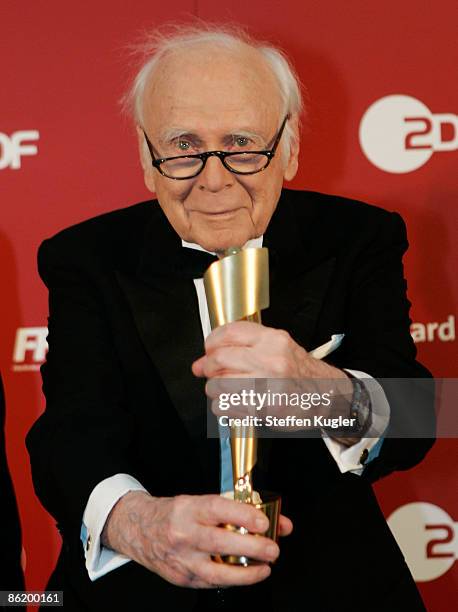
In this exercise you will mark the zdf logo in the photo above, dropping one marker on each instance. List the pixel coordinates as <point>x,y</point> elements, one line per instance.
<point>428,538</point>
<point>16,146</point>
<point>399,133</point>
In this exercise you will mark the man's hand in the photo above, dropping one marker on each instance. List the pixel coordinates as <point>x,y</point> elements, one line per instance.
<point>176,536</point>
<point>245,350</point>
<point>249,350</point>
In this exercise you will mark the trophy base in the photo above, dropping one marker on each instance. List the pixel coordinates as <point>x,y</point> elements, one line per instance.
<point>271,507</point>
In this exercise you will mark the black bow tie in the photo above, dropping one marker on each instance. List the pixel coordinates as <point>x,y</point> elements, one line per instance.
<point>192,263</point>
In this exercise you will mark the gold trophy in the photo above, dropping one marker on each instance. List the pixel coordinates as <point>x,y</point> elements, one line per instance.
<point>237,288</point>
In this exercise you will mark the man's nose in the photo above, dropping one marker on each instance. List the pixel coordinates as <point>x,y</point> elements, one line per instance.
<point>214,177</point>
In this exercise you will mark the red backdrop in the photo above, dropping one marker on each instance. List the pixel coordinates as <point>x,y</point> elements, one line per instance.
<point>66,154</point>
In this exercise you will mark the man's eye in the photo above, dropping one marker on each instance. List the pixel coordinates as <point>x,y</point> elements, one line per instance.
<point>241,141</point>
<point>184,145</point>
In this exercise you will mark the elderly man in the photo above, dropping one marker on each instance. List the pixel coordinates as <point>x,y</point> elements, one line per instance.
<point>121,457</point>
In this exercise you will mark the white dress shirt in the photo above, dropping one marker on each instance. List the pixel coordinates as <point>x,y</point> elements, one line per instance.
<point>101,560</point>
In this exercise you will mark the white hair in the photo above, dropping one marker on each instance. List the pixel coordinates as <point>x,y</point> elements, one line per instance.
<point>177,37</point>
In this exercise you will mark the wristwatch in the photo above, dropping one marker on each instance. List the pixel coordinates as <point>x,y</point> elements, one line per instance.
<point>360,413</point>
<point>360,407</point>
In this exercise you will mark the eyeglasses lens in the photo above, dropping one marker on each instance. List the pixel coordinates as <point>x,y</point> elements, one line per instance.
<point>242,163</point>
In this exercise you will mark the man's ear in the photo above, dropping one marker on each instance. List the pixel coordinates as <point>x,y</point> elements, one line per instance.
<point>145,160</point>
<point>293,158</point>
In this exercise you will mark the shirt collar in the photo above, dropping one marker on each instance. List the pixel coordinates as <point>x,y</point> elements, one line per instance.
<point>253,243</point>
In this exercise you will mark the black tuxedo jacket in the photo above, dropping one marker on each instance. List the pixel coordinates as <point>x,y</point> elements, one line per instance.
<point>11,576</point>
<point>124,329</point>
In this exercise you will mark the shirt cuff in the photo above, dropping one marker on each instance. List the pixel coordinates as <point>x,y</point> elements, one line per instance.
<point>99,559</point>
<point>348,458</point>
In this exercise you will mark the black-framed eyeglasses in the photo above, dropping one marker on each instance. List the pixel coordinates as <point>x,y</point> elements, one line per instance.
<point>184,167</point>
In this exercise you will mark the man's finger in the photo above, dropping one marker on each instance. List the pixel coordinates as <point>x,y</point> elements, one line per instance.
<point>216,510</point>
<point>234,359</point>
<point>217,540</point>
<point>222,574</point>
<point>198,366</point>
<point>244,386</point>
<point>285,525</point>
<point>237,333</point>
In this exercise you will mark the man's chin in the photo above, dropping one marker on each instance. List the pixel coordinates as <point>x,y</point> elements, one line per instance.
<point>217,241</point>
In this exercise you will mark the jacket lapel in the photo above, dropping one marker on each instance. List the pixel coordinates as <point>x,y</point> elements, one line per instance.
<point>295,304</point>
<point>301,267</point>
<point>165,309</point>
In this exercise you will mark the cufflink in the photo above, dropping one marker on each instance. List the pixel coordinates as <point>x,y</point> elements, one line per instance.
<point>364,456</point>
<point>88,543</point>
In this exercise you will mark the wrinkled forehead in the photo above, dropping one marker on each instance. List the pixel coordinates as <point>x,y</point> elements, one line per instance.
<point>210,87</point>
